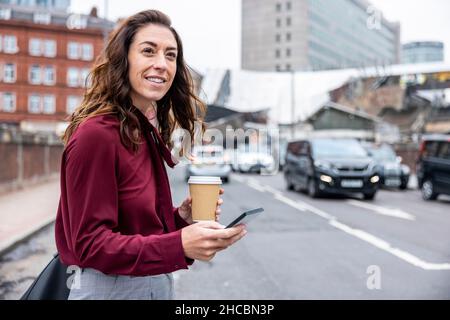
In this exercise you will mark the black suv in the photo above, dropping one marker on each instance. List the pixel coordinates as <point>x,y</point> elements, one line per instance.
<point>433,166</point>
<point>330,166</point>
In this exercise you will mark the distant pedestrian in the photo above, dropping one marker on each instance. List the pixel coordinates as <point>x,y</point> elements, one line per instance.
<point>115,218</point>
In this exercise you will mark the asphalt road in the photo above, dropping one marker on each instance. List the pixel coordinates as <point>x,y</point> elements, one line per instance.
<point>395,247</point>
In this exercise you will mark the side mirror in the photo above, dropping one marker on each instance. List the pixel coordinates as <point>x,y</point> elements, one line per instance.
<point>399,159</point>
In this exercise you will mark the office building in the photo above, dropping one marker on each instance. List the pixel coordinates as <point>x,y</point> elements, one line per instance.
<point>423,51</point>
<point>284,35</point>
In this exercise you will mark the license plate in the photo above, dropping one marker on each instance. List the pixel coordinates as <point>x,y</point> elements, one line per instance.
<point>392,182</point>
<point>351,183</point>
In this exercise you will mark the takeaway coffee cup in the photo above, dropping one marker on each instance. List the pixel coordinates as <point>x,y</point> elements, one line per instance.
<point>204,193</point>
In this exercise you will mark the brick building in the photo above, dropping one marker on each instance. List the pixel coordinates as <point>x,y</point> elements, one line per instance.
<point>45,58</point>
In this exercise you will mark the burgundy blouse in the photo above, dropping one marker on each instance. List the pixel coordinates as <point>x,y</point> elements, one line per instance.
<point>115,213</point>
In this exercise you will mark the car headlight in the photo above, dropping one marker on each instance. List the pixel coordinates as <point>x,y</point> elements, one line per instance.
<point>375,179</point>
<point>326,178</point>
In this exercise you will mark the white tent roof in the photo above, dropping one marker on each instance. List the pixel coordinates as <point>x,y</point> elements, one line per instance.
<point>254,91</point>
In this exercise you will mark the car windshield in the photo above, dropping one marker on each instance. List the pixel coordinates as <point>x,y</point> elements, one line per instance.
<point>336,148</point>
<point>383,153</point>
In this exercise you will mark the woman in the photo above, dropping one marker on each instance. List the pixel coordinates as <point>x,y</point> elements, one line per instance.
<point>115,218</point>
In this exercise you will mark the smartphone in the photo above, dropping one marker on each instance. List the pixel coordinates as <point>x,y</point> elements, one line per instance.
<point>246,217</point>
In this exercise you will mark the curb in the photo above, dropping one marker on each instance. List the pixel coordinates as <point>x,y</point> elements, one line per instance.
<point>10,244</point>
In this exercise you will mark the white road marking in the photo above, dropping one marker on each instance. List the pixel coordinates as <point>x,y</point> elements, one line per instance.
<point>383,245</point>
<point>392,212</point>
<point>273,190</point>
<point>256,186</point>
<point>365,236</point>
<point>289,202</point>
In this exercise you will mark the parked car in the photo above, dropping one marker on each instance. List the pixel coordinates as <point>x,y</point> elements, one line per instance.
<point>392,172</point>
<point>209,161</point>
<point>321,166</point>
<point>433,166</point>
<point>253,158</point>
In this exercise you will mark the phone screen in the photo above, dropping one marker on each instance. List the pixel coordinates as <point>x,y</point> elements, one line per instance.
<point>246,217</point>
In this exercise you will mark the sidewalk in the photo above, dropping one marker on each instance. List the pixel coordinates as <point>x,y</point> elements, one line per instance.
<point>24,212</point>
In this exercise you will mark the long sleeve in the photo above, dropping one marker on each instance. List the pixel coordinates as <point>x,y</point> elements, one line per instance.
<point>181,223</point>
<point>92,204</point>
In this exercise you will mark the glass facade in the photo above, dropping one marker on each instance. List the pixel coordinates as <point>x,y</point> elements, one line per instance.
<point>419,52</point>
<point>340,36</point>
<point>60,5</point>
<point>316,35</point>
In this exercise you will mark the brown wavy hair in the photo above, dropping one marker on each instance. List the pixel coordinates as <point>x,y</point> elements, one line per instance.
<point>109,91</point>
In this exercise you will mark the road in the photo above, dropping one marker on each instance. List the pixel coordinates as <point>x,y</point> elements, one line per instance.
<point>395,247</point>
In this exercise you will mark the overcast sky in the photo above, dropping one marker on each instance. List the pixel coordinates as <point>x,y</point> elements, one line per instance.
<point>210,29</point>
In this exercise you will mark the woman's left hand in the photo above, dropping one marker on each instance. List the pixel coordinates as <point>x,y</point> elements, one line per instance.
<point>185,210</point>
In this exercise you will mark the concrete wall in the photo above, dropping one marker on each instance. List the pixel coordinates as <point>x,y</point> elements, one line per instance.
<point>27,159</point>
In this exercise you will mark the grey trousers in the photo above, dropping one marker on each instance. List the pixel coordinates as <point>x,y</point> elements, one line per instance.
<point>95,285</point>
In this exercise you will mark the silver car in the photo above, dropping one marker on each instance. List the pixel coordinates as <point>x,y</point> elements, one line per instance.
<point>209,161</point>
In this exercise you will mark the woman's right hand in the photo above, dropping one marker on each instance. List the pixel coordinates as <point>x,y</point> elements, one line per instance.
<point>203,239</point>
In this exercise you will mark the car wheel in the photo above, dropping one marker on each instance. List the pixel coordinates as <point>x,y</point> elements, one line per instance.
<point>428,190</point>
<point>403,186</point>
<point>313,192</point>
<point>225,179</point>
<point>369,196</point>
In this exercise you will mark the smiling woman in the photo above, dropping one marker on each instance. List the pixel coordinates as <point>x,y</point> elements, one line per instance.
<point>116,220</point>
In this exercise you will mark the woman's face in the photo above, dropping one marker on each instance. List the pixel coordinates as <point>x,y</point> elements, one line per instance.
<point>152,61</point>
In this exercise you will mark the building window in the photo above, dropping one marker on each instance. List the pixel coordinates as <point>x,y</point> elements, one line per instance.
<point>42,18</point>
<point>87,51</point>
<point>277,67</point>
<point>9,73</point>
<point>8,102</point>
<point>10,44</point>
<point>73,50</point>
<point>288,36</point>
<point>49,104</point>
<point>43,3</point>
<point>277,53</point>
<point>50,48</point>
<point>288,21</point>
<point>288,6</point>
<point>288,52</point>
<point>73,77</point>
<point>277,38</point>
<point>278,7</point>
<point>278,22</point>
<point>49,75</point>
<point>34,47</point>
<point>288,67</point>
<point>34,103</point>
<point>5,13</point>
<point>35,74</point>
<point>72,103</point>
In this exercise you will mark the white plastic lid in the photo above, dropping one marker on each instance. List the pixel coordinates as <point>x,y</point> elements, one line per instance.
<point>204,180</point>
